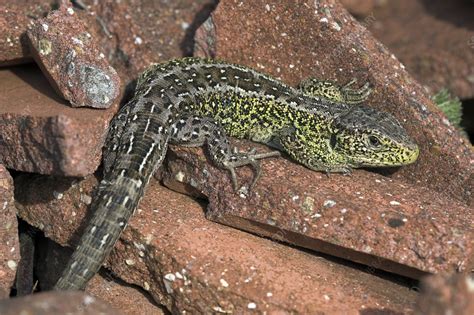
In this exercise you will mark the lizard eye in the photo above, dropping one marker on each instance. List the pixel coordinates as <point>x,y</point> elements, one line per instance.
<point>374,141</point>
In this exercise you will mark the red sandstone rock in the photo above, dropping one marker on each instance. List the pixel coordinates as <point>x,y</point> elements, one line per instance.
<point>192,265</point>
<point>130,38</point>
<point>72,61</point>
<point>320,39</point>
<point>39,134</point>
<point>9,246</point>
<point>446,294</point>
<point>434,40</point>
<point>15,16</point>
<point>57,303</point>
<point>128,299</point>
<point>359,7</point>
<point>365,217</point>
<point>136,34</point>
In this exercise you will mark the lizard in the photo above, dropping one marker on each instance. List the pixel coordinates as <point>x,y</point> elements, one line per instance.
<point>193,102</point>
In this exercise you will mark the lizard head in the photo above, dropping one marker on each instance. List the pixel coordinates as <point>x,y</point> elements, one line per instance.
<point>367,137</point>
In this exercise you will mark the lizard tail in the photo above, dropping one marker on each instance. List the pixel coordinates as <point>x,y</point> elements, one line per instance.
<point>113,205</point>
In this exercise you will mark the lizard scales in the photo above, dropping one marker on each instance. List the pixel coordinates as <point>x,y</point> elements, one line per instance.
<point>195,101</point>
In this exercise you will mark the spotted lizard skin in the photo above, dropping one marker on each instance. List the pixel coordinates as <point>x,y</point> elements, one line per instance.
<point>195,102</point>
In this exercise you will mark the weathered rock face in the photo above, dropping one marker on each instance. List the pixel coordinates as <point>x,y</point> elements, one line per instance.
<point>56,303</point>
<point>132,34</point>
<point>72,61</point>
<point>190,264</point>
<point>126,298</point>
<point>40,134</point>
<point>9,246</point>
<point>15,16</point>
<point>446,294</point>
<point>409,221</point>
<point>434,40</point>
<point>366,217</point>
<point>326,42</point>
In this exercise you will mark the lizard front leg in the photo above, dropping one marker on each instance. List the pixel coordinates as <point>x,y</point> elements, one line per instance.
<point>314,151</point>
<point>197,131</point>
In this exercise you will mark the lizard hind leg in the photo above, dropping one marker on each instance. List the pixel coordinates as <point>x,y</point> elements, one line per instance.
<point>331,91</point>
<point>197,131</point>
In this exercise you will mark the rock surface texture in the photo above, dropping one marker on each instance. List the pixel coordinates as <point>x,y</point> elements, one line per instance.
<point>56,303</point>
<point>9,246</point>
<point>434,40</point>
<point>72,61</point>
<point>40,133</point>
<point>446,294</point>
<point>331,244</point>
<point>190,264</point>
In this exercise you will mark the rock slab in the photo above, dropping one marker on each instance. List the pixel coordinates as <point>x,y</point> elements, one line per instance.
<point>40,134</point>
<point>192,265</point>
<point>72,61</point>
<point>9,244</point>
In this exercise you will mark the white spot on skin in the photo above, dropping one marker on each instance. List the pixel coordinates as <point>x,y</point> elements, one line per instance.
<point>150,150</point>
<point>394,203</point>
<point>45,27</point>
<point>147,124</point>
<point>103,240</point>
<point>131,145</point>
<point>251,306</point>
<point>70,11</point>
<point>125,199</point>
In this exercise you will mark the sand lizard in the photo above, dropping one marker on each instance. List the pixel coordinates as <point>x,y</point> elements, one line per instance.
<point>195,102</point>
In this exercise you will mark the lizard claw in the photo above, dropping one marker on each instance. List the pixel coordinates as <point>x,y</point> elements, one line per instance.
<point>247,158</point>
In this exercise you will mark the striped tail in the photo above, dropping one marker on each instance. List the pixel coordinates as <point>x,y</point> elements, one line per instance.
<point>117,198</point>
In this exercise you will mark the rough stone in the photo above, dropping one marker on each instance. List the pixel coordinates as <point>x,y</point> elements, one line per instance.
<point>359,7</point>
<point>446,294</point>
<point>39,134</point>
<point>128,299</point>
<point>192,265</point>
<point>72,61</point>
<point>433,39</point>
<point>327,42</point>
<point>136,34</point>
<point>9,246</point>
<point>57,303</point>
<point>366,217</point>
<point>15,16</point>
<point>131,40</point>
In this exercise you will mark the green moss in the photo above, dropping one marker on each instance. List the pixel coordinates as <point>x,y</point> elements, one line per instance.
<point>450,105</point>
